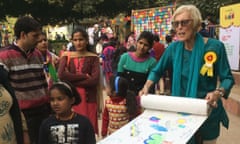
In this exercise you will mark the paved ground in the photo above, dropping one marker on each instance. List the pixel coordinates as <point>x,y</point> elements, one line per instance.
<point>232,135</point>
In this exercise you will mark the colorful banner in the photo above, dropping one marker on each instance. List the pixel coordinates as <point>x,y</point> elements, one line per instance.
<point>230,15</point>
<point>229,33</point>
<point>156,20</point>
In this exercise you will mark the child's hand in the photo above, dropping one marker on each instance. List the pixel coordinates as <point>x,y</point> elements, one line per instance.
<point>143,91</point>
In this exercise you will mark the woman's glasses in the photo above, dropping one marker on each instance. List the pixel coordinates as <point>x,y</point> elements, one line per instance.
<point>183,23</point>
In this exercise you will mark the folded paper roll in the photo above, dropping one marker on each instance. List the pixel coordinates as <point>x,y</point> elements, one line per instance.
<point>175,104</point>
<point>161,121</point>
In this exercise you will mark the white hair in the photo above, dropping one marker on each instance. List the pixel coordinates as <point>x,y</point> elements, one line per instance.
<point>194,13</point>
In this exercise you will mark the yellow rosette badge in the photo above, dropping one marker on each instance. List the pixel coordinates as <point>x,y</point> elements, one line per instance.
<point>210,58</point>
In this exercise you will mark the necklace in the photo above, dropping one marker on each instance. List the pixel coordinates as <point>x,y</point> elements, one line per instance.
<point>67,118</point>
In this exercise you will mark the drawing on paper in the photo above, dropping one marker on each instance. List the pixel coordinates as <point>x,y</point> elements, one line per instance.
<point>158,127</point>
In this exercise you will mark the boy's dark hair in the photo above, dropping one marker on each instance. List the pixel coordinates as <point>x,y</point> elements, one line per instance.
<point>122,90</point>
<point>148,36</point>
<point>26,24</point>
<point>168,38</point>
<point>68,89</point>
<point>112,42</point>
<point>203,25</point>
<point>156,37</point>
<point>104,37</point>
<point>172,32</point>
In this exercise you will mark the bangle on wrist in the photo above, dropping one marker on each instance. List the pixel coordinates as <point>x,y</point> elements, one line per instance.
<point>220,91</point>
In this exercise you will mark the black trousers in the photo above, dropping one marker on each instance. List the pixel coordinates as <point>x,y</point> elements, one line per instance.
<point>34,117</point>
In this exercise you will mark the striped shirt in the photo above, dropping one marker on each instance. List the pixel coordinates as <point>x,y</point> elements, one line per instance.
<point>26,75</point>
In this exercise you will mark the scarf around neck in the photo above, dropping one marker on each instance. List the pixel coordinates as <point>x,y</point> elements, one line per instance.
<point>194,68</point>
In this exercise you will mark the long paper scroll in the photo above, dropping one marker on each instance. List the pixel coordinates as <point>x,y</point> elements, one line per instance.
<point>165,120</point>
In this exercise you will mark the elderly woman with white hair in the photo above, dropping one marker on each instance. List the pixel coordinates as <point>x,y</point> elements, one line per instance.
<point>200,70</point>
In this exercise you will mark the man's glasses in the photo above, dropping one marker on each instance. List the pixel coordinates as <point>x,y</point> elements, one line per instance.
<point>183,23</point>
